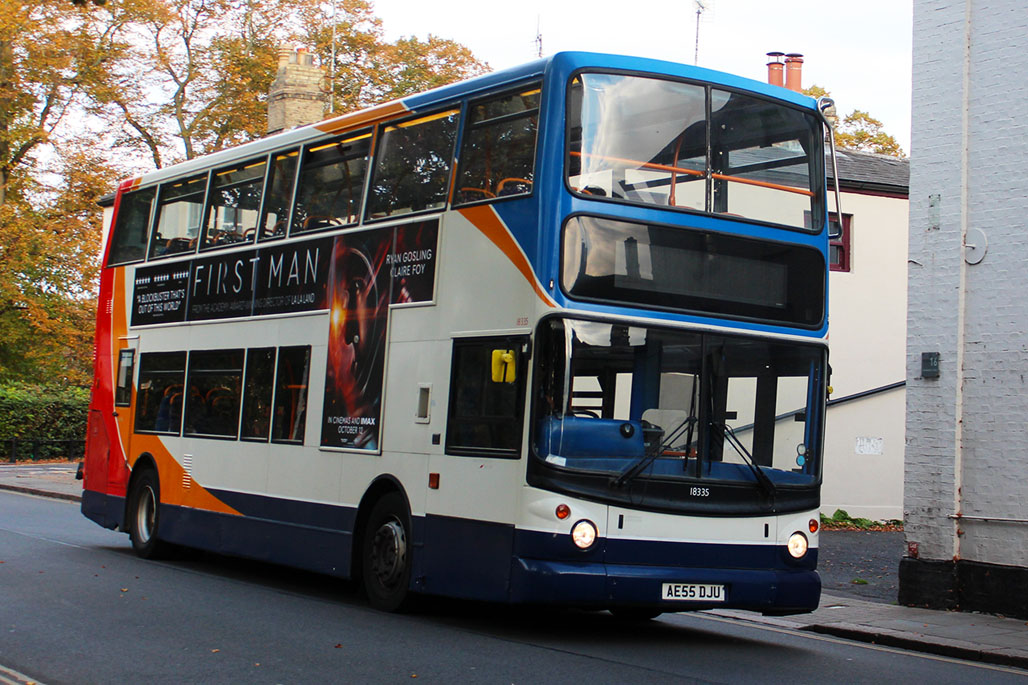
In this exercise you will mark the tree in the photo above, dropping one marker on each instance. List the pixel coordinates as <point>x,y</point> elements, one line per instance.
<point>861,131</point>
<point>48,272</point>
<point>414,66</point>
<point>51,54</point>
<point>196,75</point>
<point>86,83</point>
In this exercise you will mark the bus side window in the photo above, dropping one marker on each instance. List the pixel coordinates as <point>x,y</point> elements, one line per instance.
<point>126,367</point>
<point>179,214</point>
<point>290,410</point>
<point>257,389</point>
<point>497,156</point>
<point>412,166</point>
<point>233,203</point>
<point>485,417</point>
<point>159,395</point>
<point>331,184</point>
<point>131,228</point>
<point>212,402</point>
<point>275,214</point>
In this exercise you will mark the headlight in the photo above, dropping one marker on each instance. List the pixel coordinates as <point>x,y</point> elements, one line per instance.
<point>797,545</point>
<point>583,534</point>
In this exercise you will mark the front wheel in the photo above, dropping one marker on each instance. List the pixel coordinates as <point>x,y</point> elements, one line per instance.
<point>386,554</point>
<point>144,516</point>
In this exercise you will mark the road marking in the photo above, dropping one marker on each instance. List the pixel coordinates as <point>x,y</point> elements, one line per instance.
<point>11,677</point>
<point>44,539</point>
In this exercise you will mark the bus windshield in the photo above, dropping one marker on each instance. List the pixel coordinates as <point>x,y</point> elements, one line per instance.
<point>634,402</point>
<point>649,140</point>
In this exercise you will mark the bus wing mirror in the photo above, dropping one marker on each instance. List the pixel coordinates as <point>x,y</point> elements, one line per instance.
<point>503,368</point>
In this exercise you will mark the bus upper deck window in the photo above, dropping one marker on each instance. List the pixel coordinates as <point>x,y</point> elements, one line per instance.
<point>131,227</point>
<point>412,165</point>
<point>765,160</point>
<point>331,184</point>
<point>498,152</point>
<point>281,176</point>
<point>179,209</point>
<point>232,207</point>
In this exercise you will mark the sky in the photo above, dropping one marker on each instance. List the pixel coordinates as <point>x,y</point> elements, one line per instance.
<point>858,50</point>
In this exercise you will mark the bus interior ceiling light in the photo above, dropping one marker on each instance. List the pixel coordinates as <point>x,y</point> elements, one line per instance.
<point>583,534</point>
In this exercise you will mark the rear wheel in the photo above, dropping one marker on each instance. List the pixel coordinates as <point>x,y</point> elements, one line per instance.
<point>144,516</point>
<point>386,554</point>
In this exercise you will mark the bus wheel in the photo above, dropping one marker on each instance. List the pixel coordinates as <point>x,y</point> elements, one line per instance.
<point>635,614</point>
<point>144,516</point>
<point>386,554</point>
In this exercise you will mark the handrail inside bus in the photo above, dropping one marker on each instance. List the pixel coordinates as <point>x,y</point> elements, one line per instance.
<point>694,172</point>
<point>641,164</point>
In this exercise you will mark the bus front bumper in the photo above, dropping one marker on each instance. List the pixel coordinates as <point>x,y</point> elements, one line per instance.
<point>599,585</point>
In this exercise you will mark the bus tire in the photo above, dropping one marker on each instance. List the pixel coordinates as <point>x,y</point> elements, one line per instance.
<point>386,554</point>
<point>144,516</point>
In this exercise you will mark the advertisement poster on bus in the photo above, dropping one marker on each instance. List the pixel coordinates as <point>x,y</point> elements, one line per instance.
<point>368,272</point>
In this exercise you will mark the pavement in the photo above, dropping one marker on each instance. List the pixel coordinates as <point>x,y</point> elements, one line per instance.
<point>858,602</point>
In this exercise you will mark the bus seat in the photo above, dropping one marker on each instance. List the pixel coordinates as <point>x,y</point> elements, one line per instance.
<point>517,181</point>
<point>581,436</point>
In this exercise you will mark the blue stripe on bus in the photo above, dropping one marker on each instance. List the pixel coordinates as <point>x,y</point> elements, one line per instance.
<point>488,561</point>
<point>583,584</point>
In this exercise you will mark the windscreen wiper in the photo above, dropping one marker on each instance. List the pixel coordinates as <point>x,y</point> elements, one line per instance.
<point>765,483</point>
<point>655,451</point>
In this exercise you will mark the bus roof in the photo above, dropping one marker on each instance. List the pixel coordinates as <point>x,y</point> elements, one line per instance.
<point>561,63</point>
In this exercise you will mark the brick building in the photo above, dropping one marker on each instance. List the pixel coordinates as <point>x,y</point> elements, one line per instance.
<point>966,492</point>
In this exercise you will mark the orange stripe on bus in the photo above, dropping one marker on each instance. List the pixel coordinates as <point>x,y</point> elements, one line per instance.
<point>173,477</point>
<point>485,219</point>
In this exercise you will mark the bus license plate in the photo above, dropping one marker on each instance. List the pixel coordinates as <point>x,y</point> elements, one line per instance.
<point>693,592</point>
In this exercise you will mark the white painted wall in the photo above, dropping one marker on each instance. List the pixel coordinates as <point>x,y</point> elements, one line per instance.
<point>867,335</point>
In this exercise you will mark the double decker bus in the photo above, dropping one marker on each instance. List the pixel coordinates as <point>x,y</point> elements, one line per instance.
<point>555,334</point>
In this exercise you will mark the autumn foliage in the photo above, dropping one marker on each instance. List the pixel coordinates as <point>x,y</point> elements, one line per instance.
<point>95,91</point>
<point>860,131</point>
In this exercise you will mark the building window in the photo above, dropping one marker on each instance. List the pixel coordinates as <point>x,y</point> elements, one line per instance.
<point>839,248</point>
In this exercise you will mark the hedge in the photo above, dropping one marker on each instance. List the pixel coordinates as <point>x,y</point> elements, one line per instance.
<point>36,413</point>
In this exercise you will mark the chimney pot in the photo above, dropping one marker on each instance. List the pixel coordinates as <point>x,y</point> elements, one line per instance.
<point>794,71</point>
<point>775,69</point>
<point>284,54</point>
